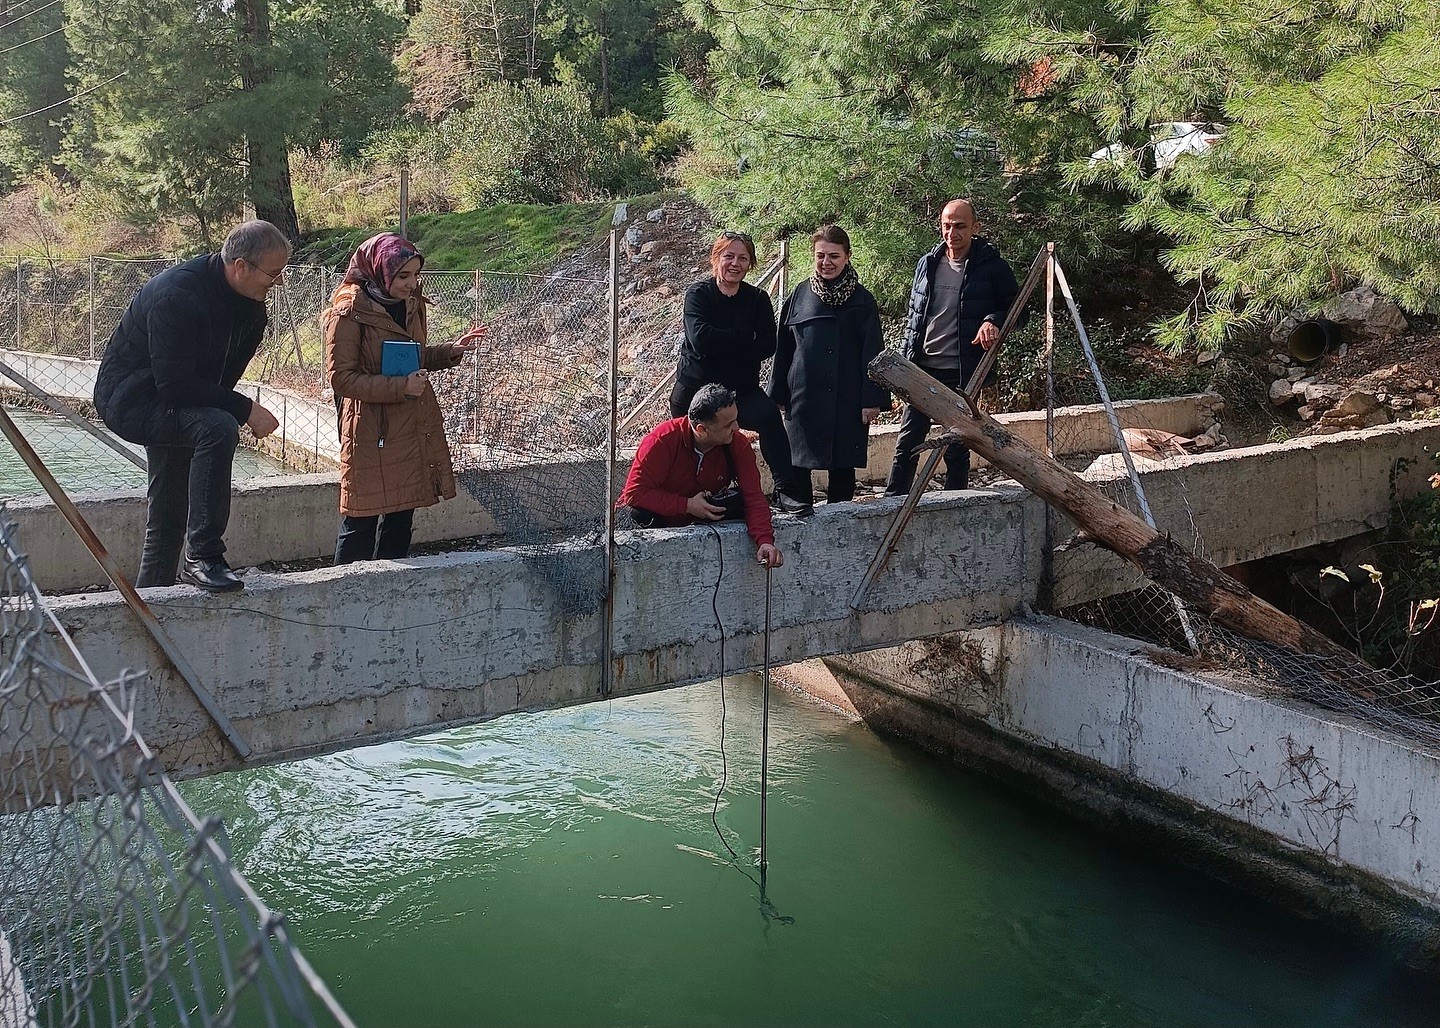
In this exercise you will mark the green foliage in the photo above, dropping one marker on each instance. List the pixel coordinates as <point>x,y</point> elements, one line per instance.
<point>504,238</point>
<point>534,143</point>
<point>1328,173</point>
<point>32,78</point>
<point>526,143</point>
<point>185,101</point>
<point>875,120</point>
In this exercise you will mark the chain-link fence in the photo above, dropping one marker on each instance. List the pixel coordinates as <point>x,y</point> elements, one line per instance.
<point>119,905</point>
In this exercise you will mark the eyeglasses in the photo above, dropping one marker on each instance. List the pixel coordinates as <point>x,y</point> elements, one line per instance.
<point>743,237</point>
<point>271,277</point>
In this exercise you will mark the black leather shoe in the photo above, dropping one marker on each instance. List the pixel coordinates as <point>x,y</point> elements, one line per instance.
<point>787,505</point>
<point>214,576</point>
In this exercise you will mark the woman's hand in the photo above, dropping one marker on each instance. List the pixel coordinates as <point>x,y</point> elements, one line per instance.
<point>869,414</point>
<point>416,381</point>
<point>470,339</point>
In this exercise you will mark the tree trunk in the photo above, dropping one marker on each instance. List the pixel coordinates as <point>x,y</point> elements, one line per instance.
<point>271,192</point>
<point>1197,582</point>
<point>499,19</point>
<point>604,27</point>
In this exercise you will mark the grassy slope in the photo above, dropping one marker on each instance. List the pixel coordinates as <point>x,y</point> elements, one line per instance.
<point>507,238</point>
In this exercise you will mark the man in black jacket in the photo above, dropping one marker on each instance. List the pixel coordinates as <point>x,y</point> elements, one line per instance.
<point>167,381</point>
<point>962,291</point>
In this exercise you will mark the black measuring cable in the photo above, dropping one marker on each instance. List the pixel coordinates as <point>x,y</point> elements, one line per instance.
<point>724,763</point>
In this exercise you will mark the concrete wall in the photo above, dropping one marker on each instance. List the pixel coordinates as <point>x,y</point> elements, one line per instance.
<point>1259,501</point>
<point>1294,801</point>
<point>340,657</point>
<point>1246,503</point>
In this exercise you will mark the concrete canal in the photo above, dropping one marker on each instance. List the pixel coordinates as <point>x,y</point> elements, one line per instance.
<point>562,869</point>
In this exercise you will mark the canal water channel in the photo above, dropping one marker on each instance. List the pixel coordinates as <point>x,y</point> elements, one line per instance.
<point>563,869</point>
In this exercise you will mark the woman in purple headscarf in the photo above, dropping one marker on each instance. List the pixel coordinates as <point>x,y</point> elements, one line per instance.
<point>393,454</point>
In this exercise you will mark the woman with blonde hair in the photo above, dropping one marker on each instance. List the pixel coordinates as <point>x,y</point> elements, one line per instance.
<point>729,333</point>
<point>393,453</point>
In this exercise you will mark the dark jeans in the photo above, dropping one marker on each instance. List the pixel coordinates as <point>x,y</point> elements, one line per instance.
<point>841,485</point>
<point>913,428</point>
<point>758,413</point>
<point>189,494</point>
<point>381,537</point>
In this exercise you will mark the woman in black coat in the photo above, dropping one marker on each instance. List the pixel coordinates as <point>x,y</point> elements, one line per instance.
<point>829,331</point>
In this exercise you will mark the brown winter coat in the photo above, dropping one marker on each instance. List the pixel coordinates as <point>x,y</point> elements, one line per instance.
<point>393,454</point>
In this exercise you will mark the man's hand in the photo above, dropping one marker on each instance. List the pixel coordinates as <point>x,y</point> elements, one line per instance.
<point>415,382</point>
<point>987,335</point>
<point>261,421</point>
<point>700,507</point>
<point>768,555</point>
<point>869,414</point>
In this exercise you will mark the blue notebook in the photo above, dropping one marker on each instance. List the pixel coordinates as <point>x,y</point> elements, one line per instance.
<point>399,357</point>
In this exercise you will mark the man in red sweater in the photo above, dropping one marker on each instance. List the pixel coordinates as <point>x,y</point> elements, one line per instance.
<point>685,463</point>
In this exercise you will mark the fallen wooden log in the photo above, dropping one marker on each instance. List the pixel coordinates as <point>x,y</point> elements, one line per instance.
<point>1197,582</point>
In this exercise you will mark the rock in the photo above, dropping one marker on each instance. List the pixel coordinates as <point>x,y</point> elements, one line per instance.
<point>1281,392</point>
<point>633,235</point>
<point>664,289</point>
<point>1367,313</point>
<point>1358,410</point>
<point>622,215</point>
<point>1280,334</point>
<point>1402,403</point>
<point>658,214</point>
<point>1424,401</point>
<point>1295,374</point>
<point>648,250</point>
<point>1306,412</point>
<point>1357,404</point>
<point>1207,356</point>
<point>1321,396</point>
<point>1342,349</point>
<point>1411,385</point>
<point>1276,369</point>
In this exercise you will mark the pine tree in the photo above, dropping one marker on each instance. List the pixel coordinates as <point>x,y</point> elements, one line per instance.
<point>196,106</point>
<point>32,87</point>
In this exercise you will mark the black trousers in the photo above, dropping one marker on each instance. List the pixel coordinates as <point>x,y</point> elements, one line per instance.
<point>841,485</point>
<point>914,426</point>
<point>758,413</point>
<point>188,488</point>
<point>380,537</point>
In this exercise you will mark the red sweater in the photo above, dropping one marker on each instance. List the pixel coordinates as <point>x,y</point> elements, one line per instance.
<point>667,472</point>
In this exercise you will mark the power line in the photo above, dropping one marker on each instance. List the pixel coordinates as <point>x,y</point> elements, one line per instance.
<point>33,39</point>
<point>68,99</point>
<point>20,17</point>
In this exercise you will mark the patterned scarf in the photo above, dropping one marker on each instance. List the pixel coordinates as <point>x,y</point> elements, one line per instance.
<point>377,261</point>
<point>835,291</point>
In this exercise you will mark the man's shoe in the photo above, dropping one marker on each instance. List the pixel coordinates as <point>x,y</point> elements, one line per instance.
<point>787,505</point>
<point>214,576</point>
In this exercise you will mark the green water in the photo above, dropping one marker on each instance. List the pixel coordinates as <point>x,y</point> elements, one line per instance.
<point>562,869</point>
<point>81,463</point>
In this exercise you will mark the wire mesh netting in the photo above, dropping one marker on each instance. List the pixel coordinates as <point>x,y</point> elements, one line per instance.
<point>118,904</point>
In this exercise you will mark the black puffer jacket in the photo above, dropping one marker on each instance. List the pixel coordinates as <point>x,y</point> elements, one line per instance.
<point>986,295</point>
<point>184,341</point>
